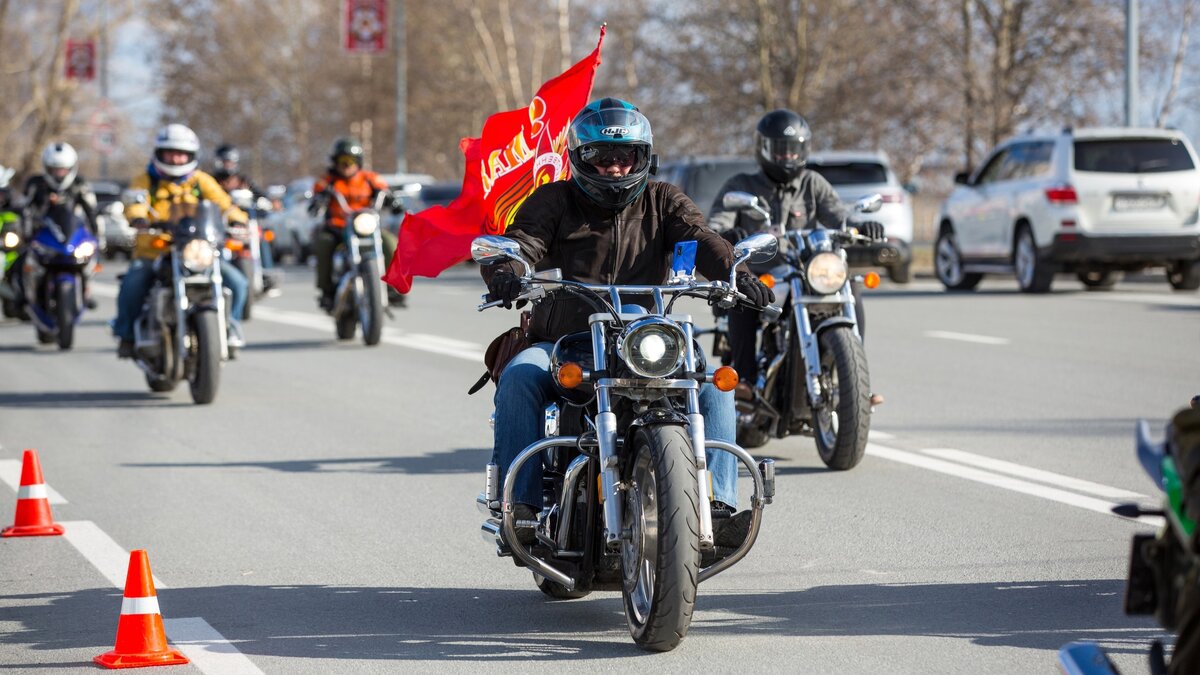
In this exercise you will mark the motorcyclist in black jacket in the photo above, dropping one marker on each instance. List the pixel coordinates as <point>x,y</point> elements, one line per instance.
<point>797,198</point>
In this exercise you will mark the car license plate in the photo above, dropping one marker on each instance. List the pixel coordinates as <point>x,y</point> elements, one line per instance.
<point>1138,202</point>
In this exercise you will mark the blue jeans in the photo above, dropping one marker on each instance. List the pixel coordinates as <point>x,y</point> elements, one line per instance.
<point>140,277</point>
<point>525,389</point>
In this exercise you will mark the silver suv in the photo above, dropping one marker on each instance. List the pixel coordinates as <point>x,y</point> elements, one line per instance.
<point>1090,202</point>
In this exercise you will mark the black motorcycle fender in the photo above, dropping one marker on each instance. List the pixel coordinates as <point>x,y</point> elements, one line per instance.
<point>832,322</point>
<point>654,416</point>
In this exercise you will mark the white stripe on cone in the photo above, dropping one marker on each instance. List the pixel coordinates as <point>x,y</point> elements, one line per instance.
<point>33,491</point>
<point>140,605</point>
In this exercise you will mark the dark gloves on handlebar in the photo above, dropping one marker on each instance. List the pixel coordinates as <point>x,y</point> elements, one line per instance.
<point>734,234</point>
<point>505,287</point>
<point>755,290</point>
<point>871,229</point>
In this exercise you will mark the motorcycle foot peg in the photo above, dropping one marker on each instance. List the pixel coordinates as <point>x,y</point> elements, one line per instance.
<point>767,468</point>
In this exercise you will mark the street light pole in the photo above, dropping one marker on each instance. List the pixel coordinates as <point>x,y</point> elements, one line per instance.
<point>401,43</point>
<point>104,76</point>
<point>1131,63</point>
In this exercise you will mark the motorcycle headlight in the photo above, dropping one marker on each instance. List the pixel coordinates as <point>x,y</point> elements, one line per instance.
<point>11,239</point>
<point>197,255</point>
<point>826,273</point>
<point>365,224</point>
<point>652,347</point>
<point>85,250</point>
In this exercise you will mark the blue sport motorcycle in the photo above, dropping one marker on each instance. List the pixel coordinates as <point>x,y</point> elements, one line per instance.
<point>61,253</point>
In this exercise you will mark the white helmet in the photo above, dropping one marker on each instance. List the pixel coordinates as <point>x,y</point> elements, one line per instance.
<point>176,137</point>
<point>61,163</point>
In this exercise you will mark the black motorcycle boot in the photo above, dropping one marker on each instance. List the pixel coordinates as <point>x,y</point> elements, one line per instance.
<point>326,301</point>
<point>525,533</point>
<point>125,349</point>
<point>729,529</point>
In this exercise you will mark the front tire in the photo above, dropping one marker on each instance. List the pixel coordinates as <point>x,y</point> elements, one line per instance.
<point>660,564</point>
<point>1034,273</point>
<point>65,311</point>
<point>206,375</point>
<point>371,298</point>
<point>841,426</point>
<point>948,264</point>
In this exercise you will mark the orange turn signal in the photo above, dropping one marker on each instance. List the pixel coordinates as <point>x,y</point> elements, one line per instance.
<point>570,375</point>
<point>269,235</point>
<point>767,280</point>
<point>871,280</point>
<point>234,245</point>
<point>725,378</point>
<point>159,243</point>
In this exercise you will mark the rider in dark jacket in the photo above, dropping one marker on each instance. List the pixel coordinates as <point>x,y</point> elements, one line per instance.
<point>797,198</point>
<point>608,225</point>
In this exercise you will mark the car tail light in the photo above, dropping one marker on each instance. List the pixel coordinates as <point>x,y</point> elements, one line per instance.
<point>1061,194</point>
<point>892,197</point>
<point>1068,223</point>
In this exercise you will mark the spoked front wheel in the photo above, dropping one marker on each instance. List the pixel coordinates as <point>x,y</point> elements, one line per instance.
<point>841,425</point>
<point>660,559</point>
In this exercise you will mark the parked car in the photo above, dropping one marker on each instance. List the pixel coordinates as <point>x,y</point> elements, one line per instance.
<point>1091,202</point>
<point>408,186</point>
<point>701,178</point>
<point>115,234</point>
<point>291,223</point>
<point>439,194</point>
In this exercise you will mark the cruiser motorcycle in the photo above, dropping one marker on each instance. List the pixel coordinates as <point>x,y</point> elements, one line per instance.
<point>813,374</point>
<point>244,245</point>
<point>360,296</point>
<point>180,333</point>
<point>627,491</point>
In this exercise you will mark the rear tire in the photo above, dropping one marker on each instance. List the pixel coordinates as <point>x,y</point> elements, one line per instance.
<point>660,573</point>
<point>948,264</point>
<point>1034,272</point>
<point>1184,275</point>
<point>65,311</point>
<point>207,372</point>
<point>1098,280</point>
<point>841,426</point>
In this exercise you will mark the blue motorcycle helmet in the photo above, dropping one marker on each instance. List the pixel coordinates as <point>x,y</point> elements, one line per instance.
<point>605,132</point>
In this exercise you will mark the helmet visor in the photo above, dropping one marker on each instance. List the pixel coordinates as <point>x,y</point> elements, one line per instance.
<point>345,161</point>
<point>175,157</point>
<point>785,151</point>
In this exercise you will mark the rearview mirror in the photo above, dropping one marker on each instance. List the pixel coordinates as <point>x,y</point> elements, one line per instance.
<point>739,200</point>
<point>757,248</point>
<point>869,204</point>
<point>490,249</point>
<point>136,197</point>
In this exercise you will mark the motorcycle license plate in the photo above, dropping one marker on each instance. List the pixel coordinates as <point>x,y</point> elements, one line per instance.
<point>1138,202</point>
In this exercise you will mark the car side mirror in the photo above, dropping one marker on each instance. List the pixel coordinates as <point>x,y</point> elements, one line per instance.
<point>962,178</point>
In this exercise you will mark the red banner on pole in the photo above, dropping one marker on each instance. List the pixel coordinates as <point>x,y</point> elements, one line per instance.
<point>518,151</point>
<point>81,60</point>
<point>364,26</point>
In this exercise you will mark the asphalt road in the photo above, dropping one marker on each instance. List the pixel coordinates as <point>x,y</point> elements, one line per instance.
<point>319,516</point>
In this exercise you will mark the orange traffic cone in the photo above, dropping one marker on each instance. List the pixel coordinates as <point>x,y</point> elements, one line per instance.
<point>141,640</point>
<point>33,508</point>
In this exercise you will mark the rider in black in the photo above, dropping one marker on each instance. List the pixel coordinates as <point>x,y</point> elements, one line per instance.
<point>796,198</point>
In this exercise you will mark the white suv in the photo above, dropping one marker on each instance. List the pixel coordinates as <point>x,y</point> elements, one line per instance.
<point>1088,201</point>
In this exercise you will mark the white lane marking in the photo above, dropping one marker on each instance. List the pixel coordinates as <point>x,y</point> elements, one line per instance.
<point>1005,482</point>
<point>966,337</point>
<point>1022,471</point>
<point>104,290</point>
<point>10,473</point>
<point>199,641</point>
<point>208,650</point>
<point>98,548</point>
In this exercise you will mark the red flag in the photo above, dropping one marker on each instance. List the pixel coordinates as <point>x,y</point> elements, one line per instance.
<point>518,151</point>
<point>364,26</point>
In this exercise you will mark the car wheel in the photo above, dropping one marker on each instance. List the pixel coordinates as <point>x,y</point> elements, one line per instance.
<point>1184,275</point>
<point>1098,280</point>
<point>1034,274</point>
<point>948,264</point>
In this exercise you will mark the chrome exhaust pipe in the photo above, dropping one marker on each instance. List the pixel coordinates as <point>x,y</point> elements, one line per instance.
<point>490,532</point>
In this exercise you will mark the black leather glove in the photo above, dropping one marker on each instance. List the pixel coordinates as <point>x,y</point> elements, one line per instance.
<point>871,230</point>
<point>504,286</point>
<point>734,234</point>
<point>755,290</point>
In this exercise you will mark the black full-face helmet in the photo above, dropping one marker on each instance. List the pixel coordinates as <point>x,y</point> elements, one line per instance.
<point>227,160</point>
<point>347,147</point>
<point>781,144</point>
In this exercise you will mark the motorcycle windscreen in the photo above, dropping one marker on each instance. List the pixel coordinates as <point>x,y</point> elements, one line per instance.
<point>198,221</point>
